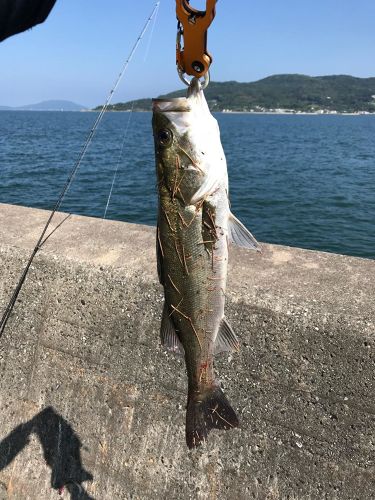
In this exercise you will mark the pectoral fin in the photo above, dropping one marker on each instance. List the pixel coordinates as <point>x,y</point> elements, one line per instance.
<point>226,339</point>
<point>239,235</point>
<point>168,335</point>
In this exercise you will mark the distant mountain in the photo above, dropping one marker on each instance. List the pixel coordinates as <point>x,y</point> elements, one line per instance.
<point>53,105</point>
<point>299,93</point>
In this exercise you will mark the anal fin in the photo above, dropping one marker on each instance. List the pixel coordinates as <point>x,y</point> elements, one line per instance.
<point>168,335</point>
<point>239,235</point>
<point>226,339</point>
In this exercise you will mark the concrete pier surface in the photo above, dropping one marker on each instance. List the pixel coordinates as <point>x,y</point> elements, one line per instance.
<point>92,406</point>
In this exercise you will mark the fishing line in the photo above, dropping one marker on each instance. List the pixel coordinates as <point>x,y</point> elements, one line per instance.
<point>118,160</point>
<point>73,173</point>
<point>55,229</point>
<point>129,120</point>
<point>151,36</point>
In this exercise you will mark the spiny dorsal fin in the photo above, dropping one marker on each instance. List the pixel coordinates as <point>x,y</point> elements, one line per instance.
<point>168,335</point>
<point>226,339</point>
<point>239,235</point>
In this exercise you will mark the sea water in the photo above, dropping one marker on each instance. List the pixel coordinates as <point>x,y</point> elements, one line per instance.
<point>301,180</point>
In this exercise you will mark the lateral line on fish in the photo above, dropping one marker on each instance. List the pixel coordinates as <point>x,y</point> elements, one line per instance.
<point>174,286</point>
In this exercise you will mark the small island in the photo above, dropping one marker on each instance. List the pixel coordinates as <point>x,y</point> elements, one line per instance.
<point>281,94</point>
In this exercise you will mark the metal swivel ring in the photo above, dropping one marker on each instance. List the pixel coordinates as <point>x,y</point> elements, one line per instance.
<point>187,82</point>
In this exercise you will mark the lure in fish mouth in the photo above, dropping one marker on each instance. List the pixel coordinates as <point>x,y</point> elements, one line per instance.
<point>195,225</point>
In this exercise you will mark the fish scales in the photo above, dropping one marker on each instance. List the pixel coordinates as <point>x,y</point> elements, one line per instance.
<point>194,281</point>
<point>194,227</point>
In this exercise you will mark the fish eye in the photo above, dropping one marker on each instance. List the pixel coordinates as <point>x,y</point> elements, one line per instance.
<point>165,137</point>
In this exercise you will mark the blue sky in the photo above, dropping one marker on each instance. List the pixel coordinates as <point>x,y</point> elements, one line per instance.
<point>78,52</point>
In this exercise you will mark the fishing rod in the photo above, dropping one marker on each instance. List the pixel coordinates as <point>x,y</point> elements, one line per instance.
<point>43,238</point>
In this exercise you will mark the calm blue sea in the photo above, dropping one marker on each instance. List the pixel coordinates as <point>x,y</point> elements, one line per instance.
<point>305,181</point>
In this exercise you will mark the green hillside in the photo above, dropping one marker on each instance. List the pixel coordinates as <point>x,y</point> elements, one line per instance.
<point>339,93</point>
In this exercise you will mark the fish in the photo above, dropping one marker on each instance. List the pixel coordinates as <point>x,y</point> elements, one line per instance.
<point>194,229</point>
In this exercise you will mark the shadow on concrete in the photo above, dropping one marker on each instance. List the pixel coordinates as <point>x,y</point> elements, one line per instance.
<point>61,448</point>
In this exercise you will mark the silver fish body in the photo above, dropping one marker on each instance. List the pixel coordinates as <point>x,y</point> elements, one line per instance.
<point>194,227</point>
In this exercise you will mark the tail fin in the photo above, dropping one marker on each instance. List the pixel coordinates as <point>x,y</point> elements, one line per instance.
<point>206,411</point>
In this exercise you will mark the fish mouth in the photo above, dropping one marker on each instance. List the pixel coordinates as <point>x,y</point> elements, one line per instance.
<point>171,105</point>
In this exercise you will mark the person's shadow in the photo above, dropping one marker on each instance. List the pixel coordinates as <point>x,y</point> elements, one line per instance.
<point>61,448</point>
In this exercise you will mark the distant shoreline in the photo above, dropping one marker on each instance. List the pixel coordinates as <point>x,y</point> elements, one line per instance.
<point>293,113</point>
<point>282,113</point>
<point>281,94</point>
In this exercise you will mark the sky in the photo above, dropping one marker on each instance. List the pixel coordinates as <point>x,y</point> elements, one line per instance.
<point>79,51</point>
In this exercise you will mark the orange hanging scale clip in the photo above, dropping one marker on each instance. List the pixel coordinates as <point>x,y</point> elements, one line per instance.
<point>193,58</point>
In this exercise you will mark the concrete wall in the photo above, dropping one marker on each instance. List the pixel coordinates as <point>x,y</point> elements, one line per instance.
<point>89,399</point>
